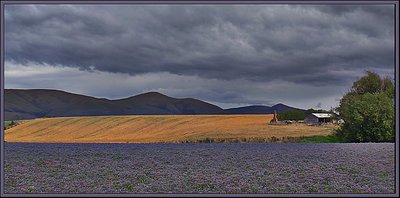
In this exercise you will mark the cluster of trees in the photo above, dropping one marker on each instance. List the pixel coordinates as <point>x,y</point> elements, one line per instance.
<point>299,114</point>
<point>368,110</point>
<point>9,124</point>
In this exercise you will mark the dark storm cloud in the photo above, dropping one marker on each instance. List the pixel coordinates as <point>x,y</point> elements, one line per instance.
<point>302,44</point>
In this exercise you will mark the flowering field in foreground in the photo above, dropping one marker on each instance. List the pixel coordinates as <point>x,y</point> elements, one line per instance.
<point>199,168</point>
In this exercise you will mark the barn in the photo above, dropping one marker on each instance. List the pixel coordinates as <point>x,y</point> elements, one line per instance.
<point>316,118</point>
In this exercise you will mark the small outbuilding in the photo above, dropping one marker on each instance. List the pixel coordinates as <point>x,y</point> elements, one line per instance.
<point>340,122</point>
<point>318,118</point>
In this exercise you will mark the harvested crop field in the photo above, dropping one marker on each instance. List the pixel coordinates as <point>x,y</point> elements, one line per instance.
<point>156,128</point>
<point>199,168</point>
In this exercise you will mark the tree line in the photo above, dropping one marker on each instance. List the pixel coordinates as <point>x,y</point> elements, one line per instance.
<point>299,114</point>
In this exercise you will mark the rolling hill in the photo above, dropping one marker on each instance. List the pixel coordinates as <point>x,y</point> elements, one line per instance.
<point>260,109</point>
<point>39,103</point>
<point>155,128</point>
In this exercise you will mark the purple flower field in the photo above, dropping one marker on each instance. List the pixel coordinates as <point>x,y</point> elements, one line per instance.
<point>199,168</point>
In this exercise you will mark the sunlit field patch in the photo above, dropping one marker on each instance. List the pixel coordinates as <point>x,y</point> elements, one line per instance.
<point>160,129</point>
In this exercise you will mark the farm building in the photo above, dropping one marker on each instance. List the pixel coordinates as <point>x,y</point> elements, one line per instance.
<point>341,121</point>
<point>316,118</point>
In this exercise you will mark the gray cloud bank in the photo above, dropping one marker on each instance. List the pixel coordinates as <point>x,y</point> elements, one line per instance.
<point>309,45</point>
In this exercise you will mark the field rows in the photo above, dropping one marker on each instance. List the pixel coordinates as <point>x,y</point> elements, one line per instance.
<point>157,128</point>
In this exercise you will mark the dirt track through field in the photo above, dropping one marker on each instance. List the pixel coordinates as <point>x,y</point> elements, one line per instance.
<point>154,128</point>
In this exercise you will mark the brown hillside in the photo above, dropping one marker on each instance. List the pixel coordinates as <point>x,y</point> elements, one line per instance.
<point>154,128</point>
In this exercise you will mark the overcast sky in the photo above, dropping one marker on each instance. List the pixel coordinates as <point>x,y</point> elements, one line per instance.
<point>304,56</point>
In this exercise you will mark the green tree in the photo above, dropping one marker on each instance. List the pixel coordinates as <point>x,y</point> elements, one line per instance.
<point>292,115</point>
<point>368,110</point>
<point>370,83</point>
<point>388,87</point>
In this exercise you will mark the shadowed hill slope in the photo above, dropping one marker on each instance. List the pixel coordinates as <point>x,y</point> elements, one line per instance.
<point>38,103</point>
<point>260,109</point>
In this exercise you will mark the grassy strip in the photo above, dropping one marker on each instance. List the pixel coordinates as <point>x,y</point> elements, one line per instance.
<point>10,124</point>
<point>321,139</point>
<point>303,139</point>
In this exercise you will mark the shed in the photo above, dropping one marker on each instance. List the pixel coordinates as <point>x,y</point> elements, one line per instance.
<point>316,118</point>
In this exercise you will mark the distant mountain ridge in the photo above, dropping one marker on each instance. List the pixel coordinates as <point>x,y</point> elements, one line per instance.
<point>23,104</point>
<point>260,109</point>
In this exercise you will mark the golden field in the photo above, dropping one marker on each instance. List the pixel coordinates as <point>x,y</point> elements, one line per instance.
<point>155,128</point>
